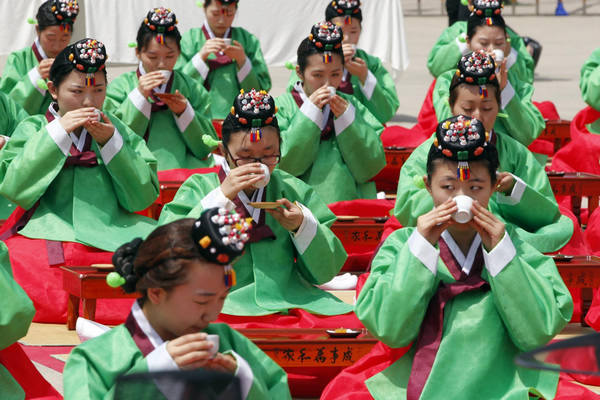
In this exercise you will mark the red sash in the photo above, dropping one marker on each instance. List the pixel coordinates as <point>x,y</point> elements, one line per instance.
<point>221,59</point>
<point>36,52</point>
<point>137,334</point>
<point>346,85</point>
<point>327,132</point>
<point>430,336</point>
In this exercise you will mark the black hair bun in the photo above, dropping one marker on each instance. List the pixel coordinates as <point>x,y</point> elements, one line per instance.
<point>87,55</point>
<point>229,1</point>
<point>477,68</point>
<point>161,20</point>
<point>123,260</point>
<point>461,138</point>
<point>254,108</point>
<point>65,11</point>
<point>344,8</point>
<point>326,36</point>
<point>487,8</point>
<point>220,235</point>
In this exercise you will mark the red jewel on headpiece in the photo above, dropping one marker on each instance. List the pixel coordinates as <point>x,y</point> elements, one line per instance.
<point>447,153</point>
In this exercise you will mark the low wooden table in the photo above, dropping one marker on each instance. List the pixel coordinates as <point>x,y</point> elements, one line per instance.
<point>387,179</point>
<point>577,185</point>
<point>361,232</point>
<point>557,131</point>
<point>87,284</point>
<point>581,272</point>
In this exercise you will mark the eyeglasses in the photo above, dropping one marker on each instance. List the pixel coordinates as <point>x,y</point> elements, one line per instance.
<point>267,160</point>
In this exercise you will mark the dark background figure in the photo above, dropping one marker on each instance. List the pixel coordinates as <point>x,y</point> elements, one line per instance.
<point>457,11</point>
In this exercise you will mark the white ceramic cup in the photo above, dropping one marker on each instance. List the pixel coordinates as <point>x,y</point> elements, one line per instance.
<point>98,115</point>
<point>332,91</point>
<point>227,41</point>
<point>498,56</point>
<point>262,183</point>
<point>464,203</point>
<point>165,73</point>
<point>214,339</point>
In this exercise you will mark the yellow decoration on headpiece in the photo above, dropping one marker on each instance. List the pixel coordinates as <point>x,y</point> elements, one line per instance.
<point>232,110</point>
<point>204,242</point>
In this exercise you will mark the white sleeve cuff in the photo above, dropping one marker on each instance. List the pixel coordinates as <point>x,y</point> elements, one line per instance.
<point>461,42</point>
<point>245,70</point>
<point>307,230</point>
<point>424,251</point>
<point>500,256</point>
<point>507,94</point>
<point>201,66</point>
<point>34,77</point>
<point>60,136</point>
<point>112,147</point>
<point>140,102</point>
<point>369,86</point>
<point>186,117</point>
<point>216,198</point>
<point>159,359</point>
<point>512,58</point>
<point>344,120</point>
<point>515,195</point>
<point>244,374</point>
<point>312,112</point>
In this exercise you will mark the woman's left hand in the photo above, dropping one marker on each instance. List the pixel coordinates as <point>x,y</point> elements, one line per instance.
<point>222,363</point>
<point>290,217</point>
<point>176,103</point>
<point>338,105</point>
<point>100,131</point>
<point>505,183</point>
<point>358,67</point>
<point>503,75</point>
<point>235,51</point>
<point>490,229</point>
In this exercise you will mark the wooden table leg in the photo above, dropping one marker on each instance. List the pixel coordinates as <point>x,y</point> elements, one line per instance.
<point>72,311</point>
<point>576,205</point>
<point>89,309</point>
<point>586,301</point>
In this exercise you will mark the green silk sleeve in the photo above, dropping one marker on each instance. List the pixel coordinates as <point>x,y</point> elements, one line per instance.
<point>446,53</point>
<point>186,203</point>
<point>118,102</point>
<point>589,82</point>
<point>16,83</point>
<point>258,78</point>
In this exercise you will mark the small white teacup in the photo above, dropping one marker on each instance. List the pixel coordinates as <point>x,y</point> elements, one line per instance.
<point>165,73</point>
<point>98,115</point>
<point>332,91</point>
<point>227,41</point>
<point>214,339</point>
<point>464,203</point>
<point>262,183</point>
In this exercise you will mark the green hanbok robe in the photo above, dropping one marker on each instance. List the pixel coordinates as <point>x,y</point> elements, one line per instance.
<point>93,206</point>
<point>274,274</point>
<point>175,141</point>
<point>94,366</point>
<point>452,45</point>
<point>589,84</point>
<point>224,82</point>
<point>22,81</point>
<point>531,206</point>
<point>336,156</point>
<point>523,120</point>
<point>15,318</point>
<point>525,305</point>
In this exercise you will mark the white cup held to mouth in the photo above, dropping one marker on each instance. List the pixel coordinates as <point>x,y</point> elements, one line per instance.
<point>165,73</point>
<point>332,91</point>
<point>263,182</point>
<point>214,339</point>
<point>98,115</point>
<point>463,215</point>
<point>227,41</point>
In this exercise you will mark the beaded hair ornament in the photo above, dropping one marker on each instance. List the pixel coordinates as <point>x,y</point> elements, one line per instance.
<point>487,8</point>
<point>326,36</point>
<point>256,109</point>
<point>221,235</point>
<point>477,68</point>
<point>65,11</point>
<point>461,139</point>
<point>347,9</point>
<point>161,20</point>
<point>88,56</point>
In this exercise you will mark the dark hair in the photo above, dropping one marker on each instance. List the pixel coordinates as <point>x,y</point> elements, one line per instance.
<point>453,95</point>
<point>307,49</point>
<point>160,261</point>
<point>489,156</point>
<point>331,13</point>
<point>145,35</point>
<point>475,21</point>
<point>62,67</point>
<point>208,2</point>
<point>232,125</point>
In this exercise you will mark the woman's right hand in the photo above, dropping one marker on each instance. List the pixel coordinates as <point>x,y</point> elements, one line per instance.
<point>190,351</point>
<point>44,67</point>
<point>77,118</point>
<point>241,178</point>
<point>436,221</point>
<point>149,81</point>
<point>321,96</point>
<point>211,46</point>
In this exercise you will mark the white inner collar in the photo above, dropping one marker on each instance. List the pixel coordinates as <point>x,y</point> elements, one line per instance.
<point>256,196</point>
<point>145,326</point>
<point>466,263</point>
<point>326,110</point>
<point>39,48</point>
<point>79,142</point>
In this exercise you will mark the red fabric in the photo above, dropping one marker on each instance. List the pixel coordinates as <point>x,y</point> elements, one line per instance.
<point>592,232</point>
<point>542,146</point>
<point>421,131</point>
<point>44,284</point>
<point>218,125</point>
<point>295,319</point>
<point>548,109</point>
<point>181,174</point>
<point>581,119</point>
<point>14,359</point>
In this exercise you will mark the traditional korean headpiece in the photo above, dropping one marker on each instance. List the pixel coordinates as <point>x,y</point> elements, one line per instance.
<point>65,12</point>
<point>344,8</point>
<point>461,139</point>
<point>161,20</point>
<point>221,235</point>
<point>88,56</point>
<point>477,68</point>
<point>254,109</point>
<point>326,37</point>
<point>487,8</point>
